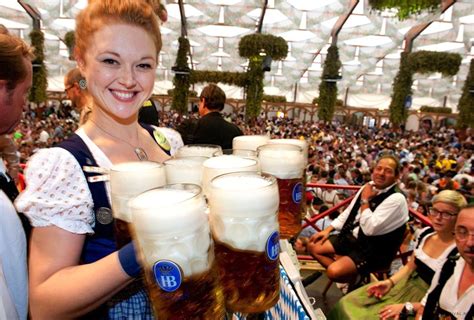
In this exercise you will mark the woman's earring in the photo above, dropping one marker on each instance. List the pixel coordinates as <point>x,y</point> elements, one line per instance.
<point>83,84</point>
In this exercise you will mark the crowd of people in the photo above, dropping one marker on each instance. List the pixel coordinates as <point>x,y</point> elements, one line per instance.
<point>77,270</point>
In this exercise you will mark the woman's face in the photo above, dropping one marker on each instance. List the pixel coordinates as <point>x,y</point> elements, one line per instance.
<point>119,66</point>
<point>440,223</point>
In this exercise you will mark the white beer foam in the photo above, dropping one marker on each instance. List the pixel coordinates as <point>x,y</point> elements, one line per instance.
<point>129,179</point>
<point>216,166</point>
<point>297,142</point>
<point>172,225</point>
<point>249,142</point>
<point>243,210</point>
<point>184,170</point>
<point>284,163</point>
<point>197,150</point>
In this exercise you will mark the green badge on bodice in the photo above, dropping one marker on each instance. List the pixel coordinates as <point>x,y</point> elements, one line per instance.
<point>161,140</point>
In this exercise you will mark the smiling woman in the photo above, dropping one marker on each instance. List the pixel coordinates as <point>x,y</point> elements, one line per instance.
<point>76,269</point>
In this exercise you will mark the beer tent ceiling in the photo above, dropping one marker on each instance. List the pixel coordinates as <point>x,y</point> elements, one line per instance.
<point>369,44</point>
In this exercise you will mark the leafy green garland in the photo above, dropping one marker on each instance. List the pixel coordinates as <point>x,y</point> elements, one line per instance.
<point>328,90</point>
<point>466,102</point>
<point>339,102</point>
<point>70,42</point>
<point>40,74</point>
<point>253,44</point>
<point>250,46</point>
<point>436,109</point>
<point>422,62</point>
<point>254,88</point>
<point>271,98</point>
<point>405,8</point>
<point>231,78</point>
<point>181,81</point>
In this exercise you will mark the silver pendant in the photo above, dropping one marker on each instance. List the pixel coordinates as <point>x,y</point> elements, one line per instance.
<point>104,215</point>
<point>141,154</point>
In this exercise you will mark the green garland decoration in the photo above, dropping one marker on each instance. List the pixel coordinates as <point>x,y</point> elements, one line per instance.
<point>254,88</point>
<point>328,90</point>
<point>40,74</point>
<point>250,47</point>
<point>253,44</point>
<point>406,8</point>
<point>339,102</point>
<point>423,62</point>
<point>181,81</point>
<point>70,42</point>
<point>230,78</point>
<point>466,102</point>
<point>274,99</point>
<point>435,109</point>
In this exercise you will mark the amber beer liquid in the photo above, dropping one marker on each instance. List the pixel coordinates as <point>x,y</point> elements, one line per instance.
<point>304,145</point>
<point>243,217</point>
<point>173,236</point>
<point>128,180</point>
<point>286,162</point>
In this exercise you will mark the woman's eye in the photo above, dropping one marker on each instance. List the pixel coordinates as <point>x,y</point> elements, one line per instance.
<point>144,66</point>
<point>109,61</point>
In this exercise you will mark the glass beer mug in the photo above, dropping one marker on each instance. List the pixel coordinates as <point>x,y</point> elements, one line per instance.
<point>286,162</point>
<point>244,224</point>
<point>127,180</point>
<point>175,245</point>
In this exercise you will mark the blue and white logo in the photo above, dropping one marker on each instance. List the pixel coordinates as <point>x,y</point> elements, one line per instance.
<point>273,246</point>
<point>297,193</point>
<point>168,275</point>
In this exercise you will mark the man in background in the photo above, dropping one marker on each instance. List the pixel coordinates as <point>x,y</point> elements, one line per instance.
<point>212,128</point>
<point>15,82</point>
<point>78,94</point>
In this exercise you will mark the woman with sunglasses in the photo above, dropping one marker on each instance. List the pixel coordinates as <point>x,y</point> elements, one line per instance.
<point>405,289</point>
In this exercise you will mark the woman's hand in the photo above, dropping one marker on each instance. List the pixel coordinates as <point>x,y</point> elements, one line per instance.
<point>379,289</point>
<point>391,311</point>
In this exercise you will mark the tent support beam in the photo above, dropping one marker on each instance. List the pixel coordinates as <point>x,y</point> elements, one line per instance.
<point>33,13</point>
<point>262,16</point>
<point>415,31</point>
<point>341,21</point>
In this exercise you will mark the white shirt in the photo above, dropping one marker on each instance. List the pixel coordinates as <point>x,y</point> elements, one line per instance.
<point>14,275</point>
<point>449,300</point>
<point>71,208</point>
<point>388,216</point>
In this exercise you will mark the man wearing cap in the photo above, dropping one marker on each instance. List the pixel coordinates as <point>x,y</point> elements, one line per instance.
<point>212,128</point>
<point>15,82</point>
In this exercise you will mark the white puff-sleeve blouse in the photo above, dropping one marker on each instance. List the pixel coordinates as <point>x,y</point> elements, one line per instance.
<point>57,192</point>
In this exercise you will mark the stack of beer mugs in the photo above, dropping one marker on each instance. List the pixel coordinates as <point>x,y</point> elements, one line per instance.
<point>200,265</point>
<point>243,218</point>
<point>172,232</point>
<point>128,180</point>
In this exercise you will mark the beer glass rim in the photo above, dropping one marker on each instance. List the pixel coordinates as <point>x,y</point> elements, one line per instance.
<point>172,159</point>
<point>280,146</point>
<point>255,162</point>
<point>202,145</point>
<point>153,165</point>
<point>282,141</point>
<point>248,136</point>
<point>235,149</point>
<point>172,186</point>
<point>268,177</point>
